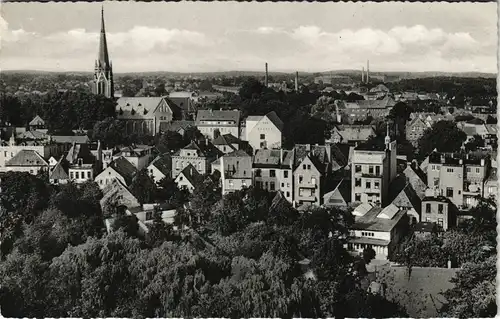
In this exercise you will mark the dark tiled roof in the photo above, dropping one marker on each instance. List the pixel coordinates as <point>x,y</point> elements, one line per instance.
<point>37,120</point>
<point>163,163</point>
<point>176,126</point>
<point>27,158</point>
<point>371,221</point>
<point>204,149</point>
<point>70,139</point>
<point>237,153</point>
<point>214,115</point>
<point>226,139</point>
<point>59,171</point>
<point>273,117</point>
<point>80,151</point>
<point>191,174</point>
<point>123,167</point>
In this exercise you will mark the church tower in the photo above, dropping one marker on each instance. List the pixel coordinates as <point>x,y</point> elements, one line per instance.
<point>103,72</point>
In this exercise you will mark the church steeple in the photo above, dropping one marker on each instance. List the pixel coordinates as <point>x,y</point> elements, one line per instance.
<point>103,57</point>
<point>103,75</point>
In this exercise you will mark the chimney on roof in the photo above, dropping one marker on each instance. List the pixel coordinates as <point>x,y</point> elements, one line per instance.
<point>266,82</point>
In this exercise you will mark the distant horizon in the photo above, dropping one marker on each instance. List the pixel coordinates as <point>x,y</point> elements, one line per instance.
<point>199,37</point>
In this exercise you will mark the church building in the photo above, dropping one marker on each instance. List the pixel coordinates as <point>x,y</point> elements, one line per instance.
<point>103,72</point>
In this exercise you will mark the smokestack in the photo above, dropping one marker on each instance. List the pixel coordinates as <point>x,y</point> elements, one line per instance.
<point>296,81</point>
<point>267,78</point>
<point>362,74</point>
<point>367,71</point>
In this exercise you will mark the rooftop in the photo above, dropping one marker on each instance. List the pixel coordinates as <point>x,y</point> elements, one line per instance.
<point>27,158</point>
<point>217,115</point>
<point>378,219</point>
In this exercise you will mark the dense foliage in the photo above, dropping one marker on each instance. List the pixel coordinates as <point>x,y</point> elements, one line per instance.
<point>444,136</point>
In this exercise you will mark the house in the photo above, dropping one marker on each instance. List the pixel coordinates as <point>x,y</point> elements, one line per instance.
<point>273,171</point>
<point>228,143</point>
<point>459,177</point>
<point>416,178</point>
<point>144,115</point>
<point>378,228</point>
<point>439,210</point>
<point>313,165</point>
<point>210,121</point>
<point>160,168</point>
<point>82,164</point>
<point>374,167</point>
<point>69,140</point>
<point>200,154</point>
<point>360,110</point>
<point>408,200</point>
<point>415,130</point>
<point>27,161</point>
<point>120,169</point>
<point>187,104</point>
<point>36,123</point>
<point>188,178</point>
<point>350,134</point>
<point>236,171</point>
<point>58,174</point>
<point>340,196</point>
<point>491,185</point>
<point>379,91</point>
<point>264,131</point>
<point>32,136</point>
<point>137,155</point>
<point>10,149</point>
<point>117,194</point>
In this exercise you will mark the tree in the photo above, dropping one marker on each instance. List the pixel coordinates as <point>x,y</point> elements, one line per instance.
<point>324,109</point>
<point>474,291</point>
<point>476,142</point>
<point>251,88</point>
<point>444,136</point>
<point>110,131</point>
<point>143,187</point>
<point>491,120</point>
<point>170,142</point>
<point>368,254</point>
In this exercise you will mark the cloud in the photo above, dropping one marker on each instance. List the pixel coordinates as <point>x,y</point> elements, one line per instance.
<point>307,47</point>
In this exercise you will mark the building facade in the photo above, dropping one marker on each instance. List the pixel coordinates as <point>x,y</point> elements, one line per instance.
<point>199,154</point>
<point>264,131</point>
<point>236,171</point>
<point>212,123</point>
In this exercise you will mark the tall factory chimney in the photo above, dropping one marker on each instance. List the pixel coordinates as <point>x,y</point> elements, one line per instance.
<point>363,75</point>
<point>367,71</point>
<point>296,81</point>
<point>267,77</point>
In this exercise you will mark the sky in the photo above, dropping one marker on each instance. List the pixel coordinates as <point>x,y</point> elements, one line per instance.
<point>225,36</point>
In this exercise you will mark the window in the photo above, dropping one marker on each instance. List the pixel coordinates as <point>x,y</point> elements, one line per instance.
<point>287,194</point>
<point>180,178</point>
<point>376,185</point>
<point>282,185</point>
<point>285,174</point>
<point>308,166</point>
<point>301,178</point>
<point>477,170</point>
<point>88,175</point>
<point>449,170</point>
<point>272,173</point>
<point>31,171</point>
<point>357,182</point>
<point>368,184</point>
<point>77,175</point>
<point>449,191</point>
<point>272,188</point>
<point>357,168</point>
<point>258,184</point>
<point>469,169</point>
<point>313,180</point>
<point>258,173</point>
<point>287,184</point>
<point>244,183</point>
<point>303,166</point>
<point>440,208</point>
<point>262,136</point>
<point>357,197</point>
<point>428,208</point>
<point>370,169</point>
<point>5,153</point>
<point>377,170</point>
<point>433,167</point>
<point>231,184</point>
<point>178,165</point>
<point>440,222</point>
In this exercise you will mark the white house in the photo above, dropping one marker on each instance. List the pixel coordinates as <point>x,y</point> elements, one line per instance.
<point>264,131</point>
<point>187,178</point>
<point>160,168</point>
<point>120,169</point>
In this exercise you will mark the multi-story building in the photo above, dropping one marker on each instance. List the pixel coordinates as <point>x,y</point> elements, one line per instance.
<point>27,161</point>
<point>236,171</point>
<point>213,122</point>
<point>82,164</point>
<point>415,130</point>
<point>228,143</point>
<point>188,178</point>
<point>313,167</point>
<point>200,154</point>
<point>439,210</point>
<point>264,131</point>
<point>145,115</point>
<point>137,155</point>
<point>10,149</point>
<point>360,110</point>
<point>351,134</point>
<point>377,228</point>
<point>120,169</point>
<point>458,177</point>
<point>273,171</point>
<point>373,169</point>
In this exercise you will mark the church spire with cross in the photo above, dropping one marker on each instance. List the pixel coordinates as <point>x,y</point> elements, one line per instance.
<point>103,73</point>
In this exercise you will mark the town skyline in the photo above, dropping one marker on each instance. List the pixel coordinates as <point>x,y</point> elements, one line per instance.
<point>404,44</point>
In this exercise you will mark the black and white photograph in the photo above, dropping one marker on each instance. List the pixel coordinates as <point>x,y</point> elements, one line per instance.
<point>248,159</point>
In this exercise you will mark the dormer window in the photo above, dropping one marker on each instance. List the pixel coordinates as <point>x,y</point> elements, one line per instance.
<point>80,162</point>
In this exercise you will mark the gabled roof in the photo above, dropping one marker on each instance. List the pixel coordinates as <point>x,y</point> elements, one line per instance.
<point>163,163</point>
<point>385,103</point>
<point>408,198</point>
<point>59,171</point>
<point>143,107</point>
<point>273,117</point>
<point>377,219</point>
<point>117,192</point>
<point>214,115</point>
<point>32,135</point>
<point>204,149</point>
<point>191,174</point>
<point>80,151</point>
<point>27,158</point>
<point>417,179</point>
<point>226,139</point>
<point>183,102</point>
<point>237,153</point>
<point>355,132</point>
<point>176,126</point>
<point>37,120</point>
<point>123,167</point>
<point>340,195</point>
